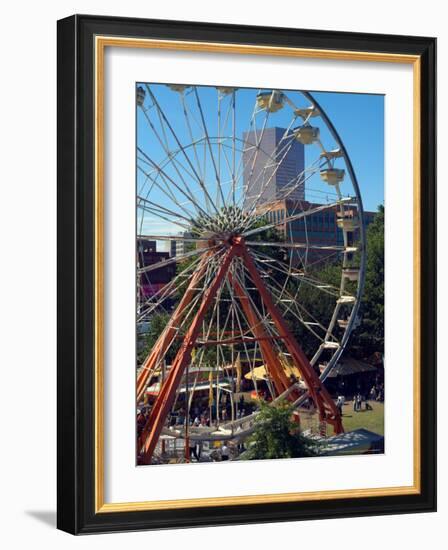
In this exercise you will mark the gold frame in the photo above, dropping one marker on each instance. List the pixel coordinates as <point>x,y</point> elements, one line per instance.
<point>101,42</point>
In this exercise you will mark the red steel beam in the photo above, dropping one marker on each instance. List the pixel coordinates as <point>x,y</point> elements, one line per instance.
<point>271,361</point>
<point>167,336</point>
<point>167,393</point>
<point>327,409</point>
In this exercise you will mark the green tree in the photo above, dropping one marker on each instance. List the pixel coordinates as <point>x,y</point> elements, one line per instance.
<point>369,336</point>
<point>313,303</point>
<point>157,324</point>
<point>276,435</point>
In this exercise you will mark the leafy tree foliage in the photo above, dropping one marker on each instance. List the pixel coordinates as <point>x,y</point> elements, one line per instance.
<point>157,324</point>
<point>276,435</point>
<point>313,302</point>
<point>369,336</point>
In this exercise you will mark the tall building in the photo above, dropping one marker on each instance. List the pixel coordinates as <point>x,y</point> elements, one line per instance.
<point>272,169</point>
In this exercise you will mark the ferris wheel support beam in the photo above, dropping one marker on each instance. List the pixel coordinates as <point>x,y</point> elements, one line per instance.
<point>270,358</point>
<point>169,333</point>
<point>328,411</point>
<point>167,395</point>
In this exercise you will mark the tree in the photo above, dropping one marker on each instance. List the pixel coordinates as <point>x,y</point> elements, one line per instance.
<point>369,336</point>
<point>157,324</point>
<point>314,302</point>
<point>276,435</point>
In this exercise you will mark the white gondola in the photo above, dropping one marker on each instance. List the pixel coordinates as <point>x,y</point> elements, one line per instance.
<point>332,176</point>
<point>178,87</point>
<point>343,300</point>
<point>334,154</point>
<point>347,223</point>
<point>351,273</point>
<point>270,101</point>
<point>141,94</point>
<point>306,134</point>
<point>307,112</point>
<point>223,90</point>
<point>330,345</point>
<point>343,323</point>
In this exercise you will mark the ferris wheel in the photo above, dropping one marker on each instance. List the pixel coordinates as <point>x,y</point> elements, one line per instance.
<point>254,194</point>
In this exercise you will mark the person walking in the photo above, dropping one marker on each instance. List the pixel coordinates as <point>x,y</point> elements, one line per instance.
<point>340,403</point>
<point>192,448</point>
<point>225,452</point>
<point>358,402</point>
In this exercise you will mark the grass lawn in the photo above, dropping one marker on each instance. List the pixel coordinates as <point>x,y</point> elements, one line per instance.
<point>370,420</point>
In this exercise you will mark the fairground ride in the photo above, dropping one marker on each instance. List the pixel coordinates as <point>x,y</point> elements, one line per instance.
<point>238,300</point>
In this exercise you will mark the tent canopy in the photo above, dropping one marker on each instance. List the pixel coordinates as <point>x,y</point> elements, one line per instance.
<point>349,366</point>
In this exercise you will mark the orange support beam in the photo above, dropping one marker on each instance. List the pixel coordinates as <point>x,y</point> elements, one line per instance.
<point>272,362</point>
<point>327,408</point>
<point>167,336</point>
<point>167,394</point>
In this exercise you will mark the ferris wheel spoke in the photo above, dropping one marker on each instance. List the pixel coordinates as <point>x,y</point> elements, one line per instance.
<point>212,157</point>
<point>172,131</point>
<point>290,187</point>
<point>219,179</point>
<point>171,156</point>
<point>155,207</point>
<point>283,297</point>
<point>158,216</point>
<point>181,148</point>
<point>252,127</point>
<point>180,238</point>
<point>169,289</point>
<point>280,150</point>
<point>175,259</point>
<point>144,201</point>
<point>221,141</point>
<point>320,285</point>
<point>240,318</point>
<point>270,244</point>
<point>273,163</point>
<point>258,141</point>
<point>167,191</point>
<point>187,113</point>
<point>267,328</point>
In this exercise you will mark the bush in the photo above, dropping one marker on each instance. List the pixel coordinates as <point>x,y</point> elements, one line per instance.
<point>276,435</point>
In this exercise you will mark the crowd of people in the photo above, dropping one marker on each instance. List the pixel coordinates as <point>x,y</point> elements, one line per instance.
<point>200,413</point>
<point>361,401</point>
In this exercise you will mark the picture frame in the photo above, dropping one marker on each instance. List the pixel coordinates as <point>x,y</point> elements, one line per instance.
<point>82,42</point>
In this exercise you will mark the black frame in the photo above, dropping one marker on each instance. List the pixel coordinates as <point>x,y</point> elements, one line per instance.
<point>75,474</point>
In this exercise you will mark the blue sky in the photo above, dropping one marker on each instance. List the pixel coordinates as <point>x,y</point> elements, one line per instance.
<point>358,118</point>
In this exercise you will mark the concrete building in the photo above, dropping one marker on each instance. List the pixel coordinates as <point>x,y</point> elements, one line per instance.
<point>152,282</point>
<point>321,228</point>
<point>263,181</point>
<point>177,248</point>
